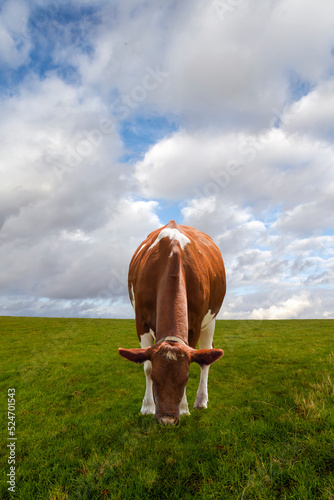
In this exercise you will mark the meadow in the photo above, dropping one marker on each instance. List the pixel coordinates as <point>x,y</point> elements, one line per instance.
<point>268,432</point>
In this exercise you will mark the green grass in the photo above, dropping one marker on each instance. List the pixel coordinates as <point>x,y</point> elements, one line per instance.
<point>268,432</point>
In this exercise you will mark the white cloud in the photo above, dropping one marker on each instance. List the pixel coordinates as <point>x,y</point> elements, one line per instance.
<point>308,218</point>
<point>78,264</point>
<point>268,169</point>
<point>291,308</point>
<point>188,157</point>
<point>15,43</point>
<point>233,71</point>
<point>313,114</point>
<point>71,228</point>
<point>51,140</point>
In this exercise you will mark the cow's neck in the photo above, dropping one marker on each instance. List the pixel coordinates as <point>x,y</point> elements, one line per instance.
<point>172,308</point>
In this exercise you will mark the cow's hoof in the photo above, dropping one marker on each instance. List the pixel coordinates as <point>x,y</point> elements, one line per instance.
<point>201,404</point>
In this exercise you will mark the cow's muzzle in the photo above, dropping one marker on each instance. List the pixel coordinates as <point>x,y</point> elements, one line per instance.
<point>167,419</point>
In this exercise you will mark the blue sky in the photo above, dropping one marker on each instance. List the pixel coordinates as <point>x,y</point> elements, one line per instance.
<point>119,116</point>
<point>140,133</point>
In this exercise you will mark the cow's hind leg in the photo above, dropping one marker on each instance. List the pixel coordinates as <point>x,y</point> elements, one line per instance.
<point>205,342</point>
<point>148,406</point>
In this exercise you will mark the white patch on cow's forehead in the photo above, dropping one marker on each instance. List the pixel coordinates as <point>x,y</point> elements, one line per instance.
<point>172,234</point>
<point>207,319</point>
<point>171,355</point>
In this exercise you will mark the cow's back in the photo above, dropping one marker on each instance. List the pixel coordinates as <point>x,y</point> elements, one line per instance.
<point>201,265</point>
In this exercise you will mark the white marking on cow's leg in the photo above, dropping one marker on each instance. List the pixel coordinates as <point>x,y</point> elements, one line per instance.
<point>205,342</point>
<point>202,393</point>
<point>184,410</point>
<point>148,406</point>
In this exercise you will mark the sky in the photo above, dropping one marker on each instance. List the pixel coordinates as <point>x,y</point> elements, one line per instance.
<point>117,116</point>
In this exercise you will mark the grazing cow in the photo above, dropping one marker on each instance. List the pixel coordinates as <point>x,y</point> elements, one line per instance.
<point>177,285</point>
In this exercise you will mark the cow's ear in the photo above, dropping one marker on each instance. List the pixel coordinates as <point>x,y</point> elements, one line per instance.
<point>206,356</point>
<point>136,355</point>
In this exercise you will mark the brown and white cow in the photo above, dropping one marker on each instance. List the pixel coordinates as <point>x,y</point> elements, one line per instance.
<point>177,285</point>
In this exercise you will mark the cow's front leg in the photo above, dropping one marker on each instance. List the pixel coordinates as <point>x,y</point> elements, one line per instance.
<point>184,410</point>
<point>148,406</point>
<point>202,393</point>
<point>205,342</point>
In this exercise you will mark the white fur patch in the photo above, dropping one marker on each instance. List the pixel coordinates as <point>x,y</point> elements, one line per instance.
<point>172,234</point>
<point>148,406</point>
<point>171,355</point>
<point>147,339</point>
<point>202,393</point>
<point>184,410</point>
<point>207,319</point>
<point>133,302</point>
<point>205,342</point>
<point>140,249</point>
<point>153,334</point>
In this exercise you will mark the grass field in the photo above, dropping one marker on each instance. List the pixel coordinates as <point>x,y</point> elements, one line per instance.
<point>268,432</point>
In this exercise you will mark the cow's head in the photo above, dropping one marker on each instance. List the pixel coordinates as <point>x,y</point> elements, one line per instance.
<point>170,373</point>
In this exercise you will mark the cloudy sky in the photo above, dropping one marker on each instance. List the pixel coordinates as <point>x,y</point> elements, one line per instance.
<point>117,116</point>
